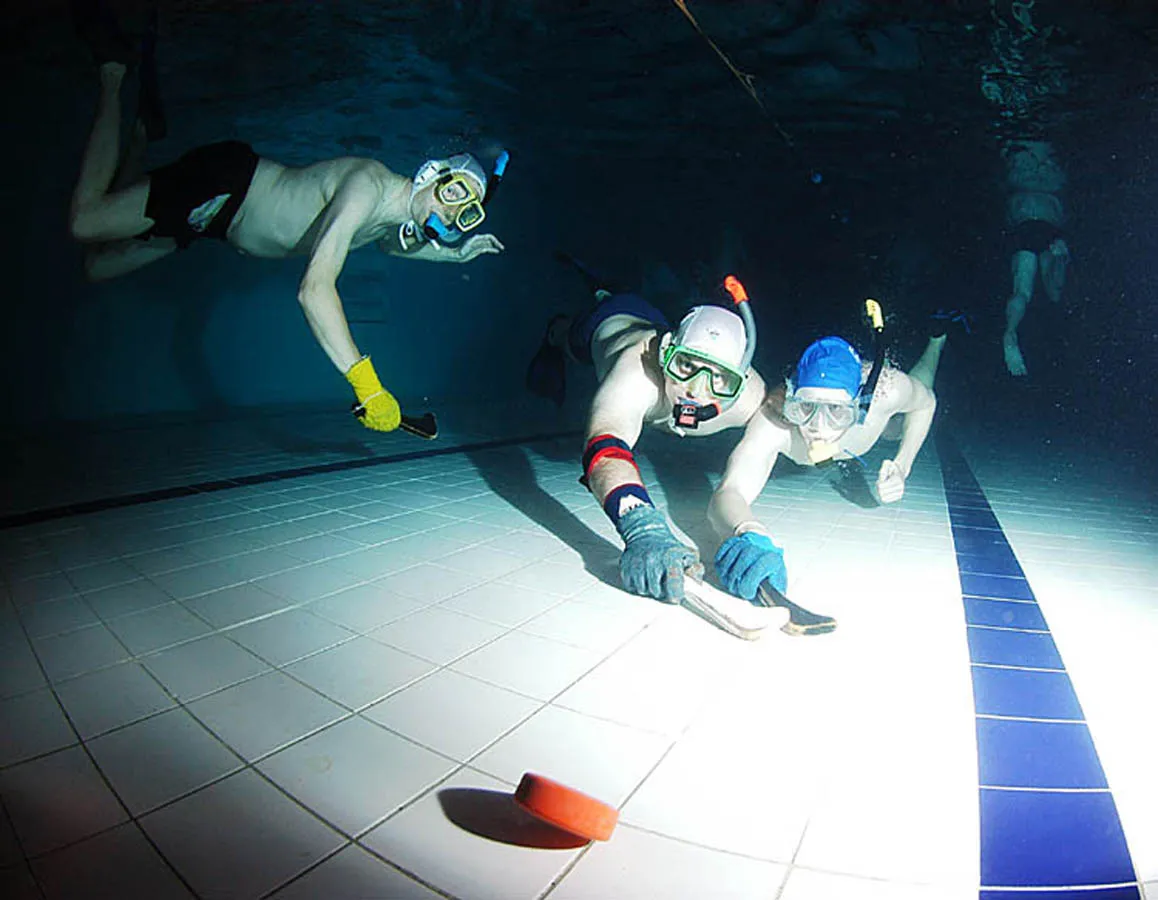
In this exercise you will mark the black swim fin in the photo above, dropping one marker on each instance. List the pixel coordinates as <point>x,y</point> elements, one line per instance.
<point>97,26</point>
<point>149,109</point>
<point>547,373</point>
<point>592,279</point>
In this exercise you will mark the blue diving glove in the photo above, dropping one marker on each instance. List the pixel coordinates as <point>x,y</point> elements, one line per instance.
<point>653,560</point>
<point>745,561</point>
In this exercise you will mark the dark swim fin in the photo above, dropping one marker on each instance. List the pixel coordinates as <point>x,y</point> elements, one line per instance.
<point>149,109</point>
<point>593,280</point>
<point>97,26</point>
<point>547,373</point>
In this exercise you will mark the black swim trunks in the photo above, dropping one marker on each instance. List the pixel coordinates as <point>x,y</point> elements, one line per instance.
<point>583,329</point>
<point>200,193</point>
<point>1033,235</point>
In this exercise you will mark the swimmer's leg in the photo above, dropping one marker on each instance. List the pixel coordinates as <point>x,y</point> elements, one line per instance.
<point>1024,267</point>
<point>1053,263</point>
<point>925,371</point>
<point>108,260</point>
<point>96,214</point>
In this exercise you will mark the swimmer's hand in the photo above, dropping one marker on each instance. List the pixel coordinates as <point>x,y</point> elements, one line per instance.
<point>653,560</point>
<point>746,561</point>
<point>477,245</point>
<point>376,408</point>
<point>890,482</point>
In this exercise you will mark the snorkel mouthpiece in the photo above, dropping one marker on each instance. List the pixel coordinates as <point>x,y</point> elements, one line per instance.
<point>821,451</point>
<point>436,230</point>
<point>689,415</point>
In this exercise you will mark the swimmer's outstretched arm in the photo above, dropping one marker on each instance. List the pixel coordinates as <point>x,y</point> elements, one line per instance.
<point>474,246</point>
<point>747,558</point>
<point>353,204</point>
<point>654,560</point>
<point>618,410</point>
<point>747,471</point>
<point>918,404</point>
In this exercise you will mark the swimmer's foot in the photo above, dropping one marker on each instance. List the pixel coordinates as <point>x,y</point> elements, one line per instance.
<point>943,321</point>
<point>1013,358</point>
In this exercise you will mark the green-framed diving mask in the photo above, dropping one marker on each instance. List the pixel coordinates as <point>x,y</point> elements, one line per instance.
<point>683,364</point>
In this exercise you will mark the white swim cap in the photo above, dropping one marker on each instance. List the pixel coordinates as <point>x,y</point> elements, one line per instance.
<point>715,331</point>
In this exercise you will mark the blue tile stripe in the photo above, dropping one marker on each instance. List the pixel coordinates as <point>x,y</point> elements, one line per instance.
<point>1049,826</point>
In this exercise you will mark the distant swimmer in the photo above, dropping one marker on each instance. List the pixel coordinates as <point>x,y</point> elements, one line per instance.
<point>1037,244</point>
<point>128,218</point>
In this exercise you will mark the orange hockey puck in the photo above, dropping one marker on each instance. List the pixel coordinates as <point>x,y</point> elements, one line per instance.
<point>566,807</point>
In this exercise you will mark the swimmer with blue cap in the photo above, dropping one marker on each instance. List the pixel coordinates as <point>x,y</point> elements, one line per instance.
<point>835,406</point>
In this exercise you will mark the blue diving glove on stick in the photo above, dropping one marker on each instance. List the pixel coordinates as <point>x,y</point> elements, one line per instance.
<point>743,563</point>
<point>653,560</point>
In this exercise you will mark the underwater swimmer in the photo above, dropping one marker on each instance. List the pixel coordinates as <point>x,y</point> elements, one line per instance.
<point>262,208</point>
<point>815,417</point>
<point>692,380</point>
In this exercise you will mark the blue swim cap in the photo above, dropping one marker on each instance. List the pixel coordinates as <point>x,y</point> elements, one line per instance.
<point>830,362</point>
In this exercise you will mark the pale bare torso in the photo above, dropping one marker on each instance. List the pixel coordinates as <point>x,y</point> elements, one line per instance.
<point>283,207</point>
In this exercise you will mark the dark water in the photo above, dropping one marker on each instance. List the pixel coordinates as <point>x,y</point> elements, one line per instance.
<point>869,167</point>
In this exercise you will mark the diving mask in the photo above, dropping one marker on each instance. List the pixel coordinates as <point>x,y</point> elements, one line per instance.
<point>456,191</point>
<point>684,364</point>
<point>836,415</point>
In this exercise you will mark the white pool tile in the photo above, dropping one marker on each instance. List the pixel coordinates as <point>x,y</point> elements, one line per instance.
<point>530,665</point>
<point>364,607</point>
<point>284,637</point>
<point>503,604</point>
<point>310,582</point>
<point>596,628</point>
<point>234,605</point>
<point>355,773</point>
<point>157,628</point>
<point>269,838</point>
<point>77,652</point>
<point>428,583</point>
<point>359,672</point>
<point>265,713</point>
<point>112,697</point>
<point>58,799</point>
<point>597,757</point>
<point>19,669</point>
<point>51,617</point>
<point>805,884</point>
<point>117,863</point>
<point>451,713</point>
<point>160,759</point>
<point>353,872</point>
<point>32,724</point>
<point>425,838</point>
<point>636,864</point>
<point>437,634</point>
<point>199,667</point>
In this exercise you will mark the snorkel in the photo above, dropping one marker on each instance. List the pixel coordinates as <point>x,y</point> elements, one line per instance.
<point>876,321</point>
<point>688,414</point>
<point>821,451</point>
<point>436,231</point>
